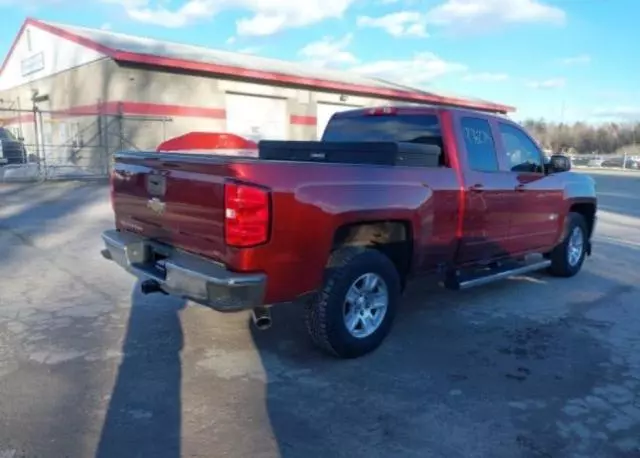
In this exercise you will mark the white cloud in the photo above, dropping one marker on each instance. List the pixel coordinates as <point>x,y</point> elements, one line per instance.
<point>487,14</point>
<point>157,13</point>
<point>329,52</point>
<point>262,24</point>
<point>106,26</point>
<point>577,60</point>
<point>552,83</point>
<point>628,113</point>
<point>271,16</point>
<point>421,70</point>
<point>266,16</point>
<point>487,77</point>
<point>399,24</point>
<point>417,71</point>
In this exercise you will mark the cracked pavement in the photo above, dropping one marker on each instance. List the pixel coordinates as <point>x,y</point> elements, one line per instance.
<point>531,367</point>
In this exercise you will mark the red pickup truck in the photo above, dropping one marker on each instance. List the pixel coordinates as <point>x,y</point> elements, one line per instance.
<point>341,224</point>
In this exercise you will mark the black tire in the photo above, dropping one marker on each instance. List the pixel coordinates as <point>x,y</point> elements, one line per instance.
<point>560,265</point>
<point>324,314</point>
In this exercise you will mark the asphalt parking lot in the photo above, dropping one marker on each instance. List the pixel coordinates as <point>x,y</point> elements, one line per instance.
<point>531,367</point>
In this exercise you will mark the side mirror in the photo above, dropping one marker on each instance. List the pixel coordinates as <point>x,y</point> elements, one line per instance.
<point>558,163</point>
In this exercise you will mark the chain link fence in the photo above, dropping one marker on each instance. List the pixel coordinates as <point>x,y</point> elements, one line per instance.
<point>40,145</point>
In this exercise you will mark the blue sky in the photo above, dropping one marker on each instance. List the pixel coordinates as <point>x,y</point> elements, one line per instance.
<point>556,59</point>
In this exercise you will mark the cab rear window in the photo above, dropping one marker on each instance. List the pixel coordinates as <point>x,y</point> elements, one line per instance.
<point>384,128</point>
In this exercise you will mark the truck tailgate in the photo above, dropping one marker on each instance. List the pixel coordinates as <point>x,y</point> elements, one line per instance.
<point>177,202</point>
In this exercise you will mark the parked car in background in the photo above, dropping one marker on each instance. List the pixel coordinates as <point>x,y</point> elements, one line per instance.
<point>596,162</point>
<point>12,149</point>
<point>621,162</point>
<point>580,160</point>
<point>341,225</point>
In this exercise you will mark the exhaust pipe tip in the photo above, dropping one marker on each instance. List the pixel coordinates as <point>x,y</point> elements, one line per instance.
<point>261,318</point>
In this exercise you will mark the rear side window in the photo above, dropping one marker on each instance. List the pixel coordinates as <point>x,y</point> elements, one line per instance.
<point>385,128</point>
<point>480,145</point>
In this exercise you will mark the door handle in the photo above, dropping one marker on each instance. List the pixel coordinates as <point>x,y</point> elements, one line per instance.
<point>476,188</point>
<point>520,188</point>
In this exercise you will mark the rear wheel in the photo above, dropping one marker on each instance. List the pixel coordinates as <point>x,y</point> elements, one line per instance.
<point>567,258</point>
<point>354,312</point>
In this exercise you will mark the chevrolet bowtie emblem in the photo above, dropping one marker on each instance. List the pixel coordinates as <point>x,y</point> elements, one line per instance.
<point>156,205</point>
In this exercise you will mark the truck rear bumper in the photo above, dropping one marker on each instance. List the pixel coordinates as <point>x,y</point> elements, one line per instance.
<point>185,275</point>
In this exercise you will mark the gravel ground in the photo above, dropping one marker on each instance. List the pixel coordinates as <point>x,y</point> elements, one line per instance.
<point>530,367</point>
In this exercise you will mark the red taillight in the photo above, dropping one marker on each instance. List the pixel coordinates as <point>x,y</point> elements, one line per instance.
<point>246,215</point>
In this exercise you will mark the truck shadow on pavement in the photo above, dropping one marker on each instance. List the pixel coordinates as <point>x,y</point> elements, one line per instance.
<point>145,413</point>
<point>516,369</point>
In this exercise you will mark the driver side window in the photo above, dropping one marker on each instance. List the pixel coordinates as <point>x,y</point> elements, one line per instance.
<point>522,153</point>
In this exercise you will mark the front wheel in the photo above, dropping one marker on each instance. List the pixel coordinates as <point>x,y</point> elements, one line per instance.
<point>567,258</point>
<point>354,311</point>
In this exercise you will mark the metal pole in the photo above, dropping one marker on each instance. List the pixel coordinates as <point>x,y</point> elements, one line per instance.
<point>44,146</point>
<point>36,132</point>
<point>20,118</point>
<point>120,126</point>
<point>106,143</point>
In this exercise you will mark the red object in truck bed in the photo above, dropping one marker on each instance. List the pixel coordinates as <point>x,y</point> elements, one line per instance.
<point>207,141</point>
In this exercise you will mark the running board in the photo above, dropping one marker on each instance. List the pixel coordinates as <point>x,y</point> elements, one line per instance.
<point>459,282</point>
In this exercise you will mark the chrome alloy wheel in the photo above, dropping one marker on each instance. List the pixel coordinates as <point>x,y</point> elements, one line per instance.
<point>365,305</point>
<point>575,247</point>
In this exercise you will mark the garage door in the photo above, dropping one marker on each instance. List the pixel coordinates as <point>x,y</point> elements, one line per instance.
<point>257,118</point>
<point>324,111</point>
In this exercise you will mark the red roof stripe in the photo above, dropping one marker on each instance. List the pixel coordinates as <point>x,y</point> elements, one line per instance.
<point>159,109</point>
<point>13,45</point>
<point>303,120</point>
<point>87,43</point>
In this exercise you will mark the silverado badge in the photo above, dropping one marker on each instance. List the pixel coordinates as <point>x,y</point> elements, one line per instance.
<point>156,205</point>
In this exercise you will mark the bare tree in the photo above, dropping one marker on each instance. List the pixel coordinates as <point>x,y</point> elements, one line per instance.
<point>585,138</point>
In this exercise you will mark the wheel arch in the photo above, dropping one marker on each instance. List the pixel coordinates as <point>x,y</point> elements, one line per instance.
<point>588,211</point>
<point>394,238</point>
